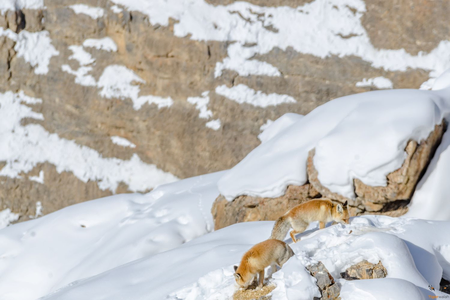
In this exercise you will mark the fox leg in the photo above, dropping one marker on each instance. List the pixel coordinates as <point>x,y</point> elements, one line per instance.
<point>273,269</point>
<point>297,227</point>
<point>321,225</point>
<point>261,278</point>
<point>292,234</point>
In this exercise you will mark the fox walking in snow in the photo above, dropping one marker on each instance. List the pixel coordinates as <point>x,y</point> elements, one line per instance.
<point>299,217</point>
<point>268,253</point>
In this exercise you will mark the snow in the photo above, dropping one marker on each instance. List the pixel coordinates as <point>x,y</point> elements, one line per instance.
<point>83,240</point>
<point>80,55</point>
<point>116,82</point>
<point>409,249</point>
<point>213,124</point>
<point>201,104</point>
<point>39,179</point>
<point>105,43</point>
<point>359,136</point>
<point>122,142</point>
<point>430,199</point>
<point>442,81</point>
<point>35,48</point>
<point>81,75</point>
<point>273,128</point>
<point>320,28</point>
<point>116,9</point>
<point>13,5</point>
<point>24,147</point>
<point>378,82</point>
<point>243,94</point>
<point>6,217</point>
<point>93,12</point>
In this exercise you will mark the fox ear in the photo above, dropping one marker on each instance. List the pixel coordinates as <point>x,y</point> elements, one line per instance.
<point>237,276</point>
<point>339,208</point>
<point>346,203</point>
<point>235,268</point>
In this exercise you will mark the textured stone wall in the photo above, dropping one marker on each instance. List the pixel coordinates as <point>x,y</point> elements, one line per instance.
<point>175,138</point>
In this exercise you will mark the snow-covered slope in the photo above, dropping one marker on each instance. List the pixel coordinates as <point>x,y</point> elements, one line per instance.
<point>42,255</point>
<point>414,252</point>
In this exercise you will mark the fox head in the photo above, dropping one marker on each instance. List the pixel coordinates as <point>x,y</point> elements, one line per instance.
<point>239,280</point>
<point>340,213</point>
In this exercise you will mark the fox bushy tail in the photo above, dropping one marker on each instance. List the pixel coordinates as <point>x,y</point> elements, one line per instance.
<point>281,228</point>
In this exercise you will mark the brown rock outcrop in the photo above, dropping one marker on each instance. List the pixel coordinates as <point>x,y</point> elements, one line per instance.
<point>365,270</point>
<point>393,198</point>
<point>328,288</point>
<point>248,208</point>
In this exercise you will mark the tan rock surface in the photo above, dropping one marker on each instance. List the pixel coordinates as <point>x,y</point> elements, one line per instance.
<point>365,270</point>
<point>175,139</point>
<point>248,208</point>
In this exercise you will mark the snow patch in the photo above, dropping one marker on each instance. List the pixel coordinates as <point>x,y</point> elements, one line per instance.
<point>243,94</point>
<point>81,75</point>
<point>214,124</point>
<point>116,82</point>
<point>116,9</point>
<point>80,55</point>
<point>93,12</point>
<point>13,5</point>
<point>122,142</point>
<point>201,104</point>
<point>24,147</point>
<point>378,82</point>
<point>36,49</point>
<point>105,43</point>
<point>7,217</point>
<point>38,179</point>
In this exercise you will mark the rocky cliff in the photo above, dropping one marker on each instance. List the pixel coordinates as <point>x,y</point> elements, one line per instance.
<point>109,97</point>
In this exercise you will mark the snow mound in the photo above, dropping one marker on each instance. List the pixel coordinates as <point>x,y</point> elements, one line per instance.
<point>274,128</point>
<point>202,268</point>
<point>359,136</point>
<point>43,255</point>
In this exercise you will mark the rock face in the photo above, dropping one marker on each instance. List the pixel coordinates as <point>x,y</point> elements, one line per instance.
<point>248,208</point>
<point>390,200</point>
<point>365,270</point>
<point>171,65</point>
<point>328,288</point>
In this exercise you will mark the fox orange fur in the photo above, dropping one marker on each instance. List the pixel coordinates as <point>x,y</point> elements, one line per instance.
<point>299,217</point>
<point>268,253</point>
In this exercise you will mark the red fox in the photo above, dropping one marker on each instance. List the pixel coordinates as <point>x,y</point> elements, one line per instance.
<point>299,217</point>
<point>268,253</point>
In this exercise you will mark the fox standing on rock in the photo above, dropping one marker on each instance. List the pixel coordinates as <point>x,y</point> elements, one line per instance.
<point>299,217</point>
<point>268,253</point>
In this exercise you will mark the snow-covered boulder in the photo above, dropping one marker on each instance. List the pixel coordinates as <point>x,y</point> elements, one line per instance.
<point>369,149</point>
<point>393,198</point>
